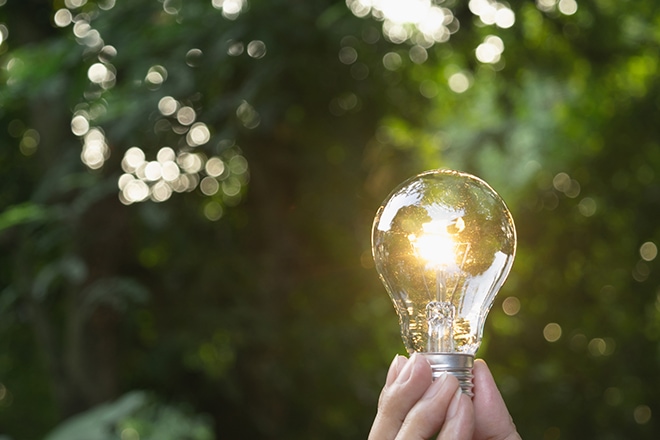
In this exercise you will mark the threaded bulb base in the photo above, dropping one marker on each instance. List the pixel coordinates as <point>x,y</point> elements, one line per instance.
<point>457,364</point>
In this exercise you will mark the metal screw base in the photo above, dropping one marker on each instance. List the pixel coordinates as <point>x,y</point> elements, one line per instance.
<point>458,364</point>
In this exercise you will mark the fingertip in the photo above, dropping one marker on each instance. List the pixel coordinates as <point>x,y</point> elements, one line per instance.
<point>395,368</point>
<point>460,422</point>
<point>492,415</point>
<point>483,378</point>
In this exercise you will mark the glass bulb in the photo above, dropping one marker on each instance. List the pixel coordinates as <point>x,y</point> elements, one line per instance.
<point>443,243</point>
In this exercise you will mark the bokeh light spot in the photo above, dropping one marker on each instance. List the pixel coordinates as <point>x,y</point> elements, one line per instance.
<point>505,18</point>
<point>459,82</point>
<point>418,54</point>
<point>235,48</point>
<point>552,332</point>
<point>190,162</point>
<point>199,134</point>
<point>587,207</point>
<point>161,191</point>
<point>648,251</point>
<point>567,7</point>
<point>420,21</point>
<point>642,414</point>
<point>133,159</point>
<point>601,347</point>
<point>231,187</point>
<point>641,271</point>
<point>578,342</point>
<point>238,164</point>
<point>186,115</point>
<point>129,434</point>
<point>209,186</point>
<point>193,57</point>
<point>392,61</point>
<point>95,149</point>
<point>168,105</point>
<point>62,17</point>
<point>29,142</point>
<point>107,53</point>
<point>153,171</point>
<point>73,4</point>
<point>79,125</point>
<point>231,9</point>
<point>135,191</point>
<point>428,88</point>
<point>348,55</point>
<point>213,211</point>
<point>256,49</point>
<point>170,171</point>
<point>490,50</point>
<point>156,75</point>
<point>546,5</point>
<point>215,167</point>
<point>97,73</point>
<point>165,154</point>
<point>248,115</point>
<point>511,306</point>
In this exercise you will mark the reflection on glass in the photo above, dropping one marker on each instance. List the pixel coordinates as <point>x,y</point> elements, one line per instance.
<point>443,244</point>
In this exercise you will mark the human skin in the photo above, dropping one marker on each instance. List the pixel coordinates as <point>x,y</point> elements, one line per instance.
<point>413,406</point>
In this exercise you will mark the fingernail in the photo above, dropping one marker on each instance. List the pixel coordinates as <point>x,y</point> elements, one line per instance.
<point>407,370</point>
<point>436,386</point>
<point>395,368</point>
<point>455,401</point>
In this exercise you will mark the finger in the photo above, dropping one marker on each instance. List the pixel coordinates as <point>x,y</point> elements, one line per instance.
<point>459,424</point>
<point>428,415</point>
<point>395,368</point>
<point>400,396</point>
<point>492,418</point>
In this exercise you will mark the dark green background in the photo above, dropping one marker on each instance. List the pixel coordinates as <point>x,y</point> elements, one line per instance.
<point>270,322</point>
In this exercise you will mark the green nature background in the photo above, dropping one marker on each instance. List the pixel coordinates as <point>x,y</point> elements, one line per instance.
<point>244,304</point>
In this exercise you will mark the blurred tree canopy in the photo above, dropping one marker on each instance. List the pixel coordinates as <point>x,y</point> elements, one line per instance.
<point>187,190</point>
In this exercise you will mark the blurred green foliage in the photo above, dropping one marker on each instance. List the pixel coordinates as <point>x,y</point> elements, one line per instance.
<point>269,319</point>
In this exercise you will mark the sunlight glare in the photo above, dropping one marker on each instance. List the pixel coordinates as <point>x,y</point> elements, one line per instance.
<point>437,250</point>
<point>436,245</point>
<point>409,19</point>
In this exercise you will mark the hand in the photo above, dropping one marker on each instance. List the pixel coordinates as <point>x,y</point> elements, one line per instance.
<point>413,406</point>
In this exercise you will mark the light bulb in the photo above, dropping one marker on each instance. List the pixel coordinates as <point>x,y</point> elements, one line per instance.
<point>443,243</point>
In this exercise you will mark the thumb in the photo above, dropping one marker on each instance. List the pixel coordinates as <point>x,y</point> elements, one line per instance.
<point>493,421</point>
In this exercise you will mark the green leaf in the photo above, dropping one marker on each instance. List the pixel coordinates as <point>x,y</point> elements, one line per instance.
<point>21,214</point>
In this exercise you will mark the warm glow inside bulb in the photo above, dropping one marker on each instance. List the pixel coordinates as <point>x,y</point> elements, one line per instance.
<point>443,244</point>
